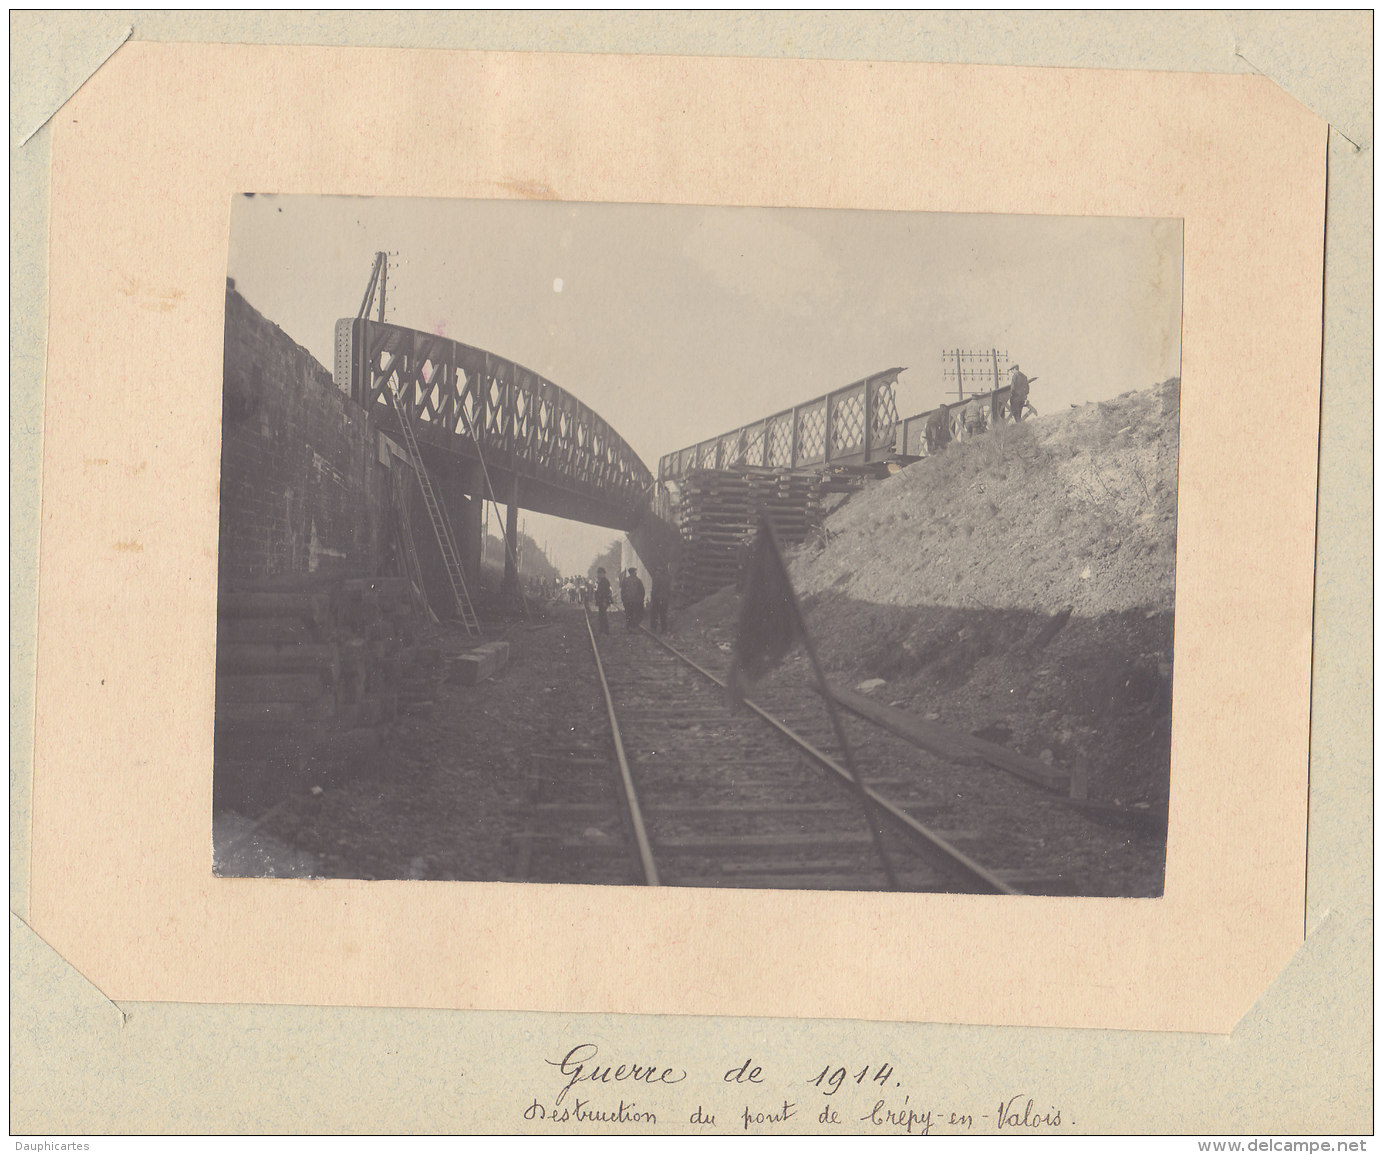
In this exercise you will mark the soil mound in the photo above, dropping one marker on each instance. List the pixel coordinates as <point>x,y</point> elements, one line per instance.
<point>1077,509</point>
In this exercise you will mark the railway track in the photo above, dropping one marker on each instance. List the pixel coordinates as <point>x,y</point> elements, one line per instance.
<point>691,793</point>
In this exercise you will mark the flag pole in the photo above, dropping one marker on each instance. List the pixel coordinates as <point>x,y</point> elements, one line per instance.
<point>870,811</point>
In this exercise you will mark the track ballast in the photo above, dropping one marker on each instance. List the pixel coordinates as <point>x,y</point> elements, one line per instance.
<point>690,792</point>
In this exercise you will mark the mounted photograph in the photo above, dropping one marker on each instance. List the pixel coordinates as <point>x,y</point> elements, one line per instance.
<point>668,545</point>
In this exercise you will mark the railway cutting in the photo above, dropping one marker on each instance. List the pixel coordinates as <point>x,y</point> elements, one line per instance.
<point>973,695</point>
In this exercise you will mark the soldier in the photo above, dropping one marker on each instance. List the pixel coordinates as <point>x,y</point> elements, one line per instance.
<point>938,430</point>
<point>1017,393</point>
<point>603,598</point>
<point>658,600</point>
<point>631,593</point>
<point>973,418</point>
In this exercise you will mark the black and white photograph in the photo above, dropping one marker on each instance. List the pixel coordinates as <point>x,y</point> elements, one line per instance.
<point>692,573</point>
<point>640,545</point>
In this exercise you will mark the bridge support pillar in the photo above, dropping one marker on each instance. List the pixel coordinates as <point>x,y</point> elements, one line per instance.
<point>452,483</point>
<point>509,589</point>
<point>466,515</point>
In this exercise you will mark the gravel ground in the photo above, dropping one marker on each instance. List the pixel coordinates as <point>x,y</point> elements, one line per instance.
<point>1018,830</point>
<point>448,790</point>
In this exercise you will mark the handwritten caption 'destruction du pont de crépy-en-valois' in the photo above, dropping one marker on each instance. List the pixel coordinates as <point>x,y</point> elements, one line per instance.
<point>591,1090</point>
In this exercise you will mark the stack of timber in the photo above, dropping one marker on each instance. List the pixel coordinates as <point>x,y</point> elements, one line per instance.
<point>309,676</point>
<point>718,514</point>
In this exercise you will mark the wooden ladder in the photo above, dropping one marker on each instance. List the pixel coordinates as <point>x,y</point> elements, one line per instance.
<point>437,514</point>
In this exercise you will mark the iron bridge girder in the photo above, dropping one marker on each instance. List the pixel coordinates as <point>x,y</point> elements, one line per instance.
<point>854,424</point>
<point>478,405</point>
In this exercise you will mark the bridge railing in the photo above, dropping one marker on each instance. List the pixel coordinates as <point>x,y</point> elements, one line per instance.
<point>522,422</point>
<point>854,424</point>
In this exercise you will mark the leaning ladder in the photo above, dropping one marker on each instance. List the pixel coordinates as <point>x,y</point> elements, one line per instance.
<point>438,516</point>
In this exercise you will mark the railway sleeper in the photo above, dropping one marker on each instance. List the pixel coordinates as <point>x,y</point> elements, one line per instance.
<point>675,767</point>
<point>799,866</point>
<point>713,809</point>
<point>654,785</point>
<point>556,808</point>
<point>581,847</point>
<point>731,843</point>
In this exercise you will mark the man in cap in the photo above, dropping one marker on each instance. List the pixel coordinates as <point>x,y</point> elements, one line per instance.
<point>603,598</point>
<point>1017,392</point>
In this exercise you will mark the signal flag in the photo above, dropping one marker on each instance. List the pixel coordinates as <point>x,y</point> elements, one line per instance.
<point>770,623</point>
<point>770,627</point>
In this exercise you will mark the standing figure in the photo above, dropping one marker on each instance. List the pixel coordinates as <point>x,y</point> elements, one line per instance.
<point>1017,393</point>
<point>658,600</point>
<point>631,593</point>
<point>938,430</point>
<point>603,598</point>
<point>973,418</point>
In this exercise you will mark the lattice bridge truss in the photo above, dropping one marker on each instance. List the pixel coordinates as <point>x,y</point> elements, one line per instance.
<point>566,459</point>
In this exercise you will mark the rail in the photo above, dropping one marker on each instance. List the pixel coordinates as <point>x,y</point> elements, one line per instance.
<point>981,875</point>
<point>631,798</point>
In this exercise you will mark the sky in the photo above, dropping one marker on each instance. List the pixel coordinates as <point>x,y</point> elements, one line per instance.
<point>677,323</point>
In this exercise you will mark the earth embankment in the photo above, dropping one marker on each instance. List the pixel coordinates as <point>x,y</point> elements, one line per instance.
<point>1019,586</point>
<point>1076,509</point>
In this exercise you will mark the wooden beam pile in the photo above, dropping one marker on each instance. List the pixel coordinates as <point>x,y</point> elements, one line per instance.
<point>309,675</point>
<point>718,514</point>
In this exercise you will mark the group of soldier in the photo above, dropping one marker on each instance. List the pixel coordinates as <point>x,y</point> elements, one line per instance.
<point>631,595</point>
<point>973,419</point>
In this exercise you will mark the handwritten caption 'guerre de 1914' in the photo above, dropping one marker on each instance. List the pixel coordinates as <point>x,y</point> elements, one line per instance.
<point>582,1073</point>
